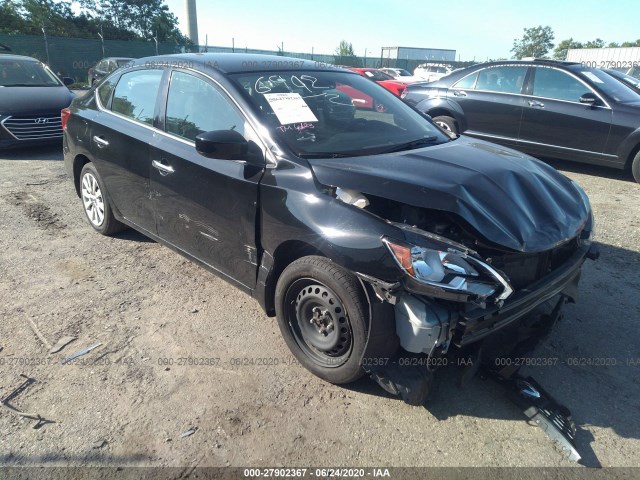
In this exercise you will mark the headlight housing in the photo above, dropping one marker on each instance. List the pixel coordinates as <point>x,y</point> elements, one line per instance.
<point>588,233</point>
<point>450,271</point>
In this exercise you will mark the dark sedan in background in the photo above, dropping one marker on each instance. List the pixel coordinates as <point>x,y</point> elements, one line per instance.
<point>545,108</point>
<point>105,67</point>
<point>31,97</point>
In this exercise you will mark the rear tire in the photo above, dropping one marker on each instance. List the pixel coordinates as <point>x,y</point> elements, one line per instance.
<point>448,124</point>
<point>321,314</point>
<point>97,208</point>
<point>635,167</point>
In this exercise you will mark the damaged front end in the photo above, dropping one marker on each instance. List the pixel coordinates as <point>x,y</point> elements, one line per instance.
<point>484,244</point>
<point>455,293</point>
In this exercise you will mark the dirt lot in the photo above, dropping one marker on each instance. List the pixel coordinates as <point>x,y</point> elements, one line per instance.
<point>130,400</point>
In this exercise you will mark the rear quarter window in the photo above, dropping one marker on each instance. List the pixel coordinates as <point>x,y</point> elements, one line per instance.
<point>135,95</point>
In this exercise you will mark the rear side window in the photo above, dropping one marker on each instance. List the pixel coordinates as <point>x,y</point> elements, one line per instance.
<point>467,82</point>
<point>195,106</point>
<point>501,79</point>
<point>104,92</point>
<point>136,93</point>
<point>551,83</point>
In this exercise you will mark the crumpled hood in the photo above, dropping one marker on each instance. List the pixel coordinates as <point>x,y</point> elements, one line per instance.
<point>510,198</point>
<point>33,100</point>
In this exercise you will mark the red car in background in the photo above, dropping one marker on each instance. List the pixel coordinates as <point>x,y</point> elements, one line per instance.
<point>363,101</point>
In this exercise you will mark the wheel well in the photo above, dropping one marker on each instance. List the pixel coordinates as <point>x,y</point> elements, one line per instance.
<point>632,155</point>
<point>439,112</point>
<point>285,254</point>
<point>78,163</point>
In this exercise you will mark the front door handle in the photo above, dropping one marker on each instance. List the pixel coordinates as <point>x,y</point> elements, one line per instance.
<point>460,93</point>
<point>100,142</point>
<point>162,168</point>
<point>533,103</point>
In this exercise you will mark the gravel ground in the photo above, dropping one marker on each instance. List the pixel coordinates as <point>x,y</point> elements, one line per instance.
<point>134,399</point>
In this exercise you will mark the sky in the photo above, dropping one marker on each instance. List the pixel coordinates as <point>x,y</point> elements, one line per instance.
<point>477,30</point>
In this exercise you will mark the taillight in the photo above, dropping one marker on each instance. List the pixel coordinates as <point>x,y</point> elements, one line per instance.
<point>65,113</point>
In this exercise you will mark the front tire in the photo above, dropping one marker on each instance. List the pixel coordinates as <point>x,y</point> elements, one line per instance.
<point>321,314</point>
<point>97,209</point>
<point>380,108</point>
<point>448,124</point>
<point>635,167</point>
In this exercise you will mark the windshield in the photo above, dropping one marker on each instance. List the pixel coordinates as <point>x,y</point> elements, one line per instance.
<point>404,73</point>
<point>123,61</point>
<point>632,81</point>
<point>611,87</point>
<point>25,73</point>
<point>377,75</point>
<point>332,113</point>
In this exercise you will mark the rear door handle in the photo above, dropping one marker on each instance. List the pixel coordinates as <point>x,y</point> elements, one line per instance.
<point>460,93</point>
<point>533,103</point>
<point>162,168</point>
<point>100,142</point>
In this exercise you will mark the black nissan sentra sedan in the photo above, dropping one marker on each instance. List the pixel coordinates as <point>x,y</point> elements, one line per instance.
<point>31,97</point>
<point>370,235</point>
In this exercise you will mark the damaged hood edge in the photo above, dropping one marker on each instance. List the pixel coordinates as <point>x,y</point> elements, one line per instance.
<point>511,199</point>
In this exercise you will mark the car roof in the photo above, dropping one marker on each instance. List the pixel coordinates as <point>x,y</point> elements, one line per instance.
<point>537,61</point>
<point>19,57</point>
<point>236,62</point>
<point>118,58</point>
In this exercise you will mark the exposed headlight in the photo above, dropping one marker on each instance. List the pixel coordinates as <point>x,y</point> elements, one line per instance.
<point>450,270</point>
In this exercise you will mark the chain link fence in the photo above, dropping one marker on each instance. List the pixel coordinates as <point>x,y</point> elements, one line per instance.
<point>72,57</point>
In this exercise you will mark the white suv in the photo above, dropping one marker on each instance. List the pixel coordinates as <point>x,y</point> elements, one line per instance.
<point>432,71</point>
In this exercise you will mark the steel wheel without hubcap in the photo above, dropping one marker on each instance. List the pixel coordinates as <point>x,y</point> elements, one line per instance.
<point>319,323</point>
<point>444,126</point>
<point>92,199</point>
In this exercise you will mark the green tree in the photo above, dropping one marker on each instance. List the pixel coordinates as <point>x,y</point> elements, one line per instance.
<point>535,42</point>
<point>613,45</point>
<point>597,43</point>
<point>631,44</point>
<point>139,19</point>
<point>346,56</point>
<point>10,19</point>
<point>560,53</point>
<point>345,49</point>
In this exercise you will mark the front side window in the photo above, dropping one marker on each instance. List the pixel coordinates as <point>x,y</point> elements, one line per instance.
<point>136,93</point>
<point>194,106</point>
<point>552,83</point>
<point>501,79</point>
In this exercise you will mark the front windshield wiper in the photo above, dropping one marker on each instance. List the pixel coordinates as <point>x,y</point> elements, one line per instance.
<point>412,144</point>
<point>30,85</point>
<point>326,155</point>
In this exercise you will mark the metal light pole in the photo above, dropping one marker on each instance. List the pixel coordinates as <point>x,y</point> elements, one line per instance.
<point>46,44</point>
<point>192,21</point>
<point>102,40</point>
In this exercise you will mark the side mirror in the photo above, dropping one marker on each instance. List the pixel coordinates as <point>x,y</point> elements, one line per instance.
<point>222,144</point>
<point>68,81</point>
<point>589,99</point>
